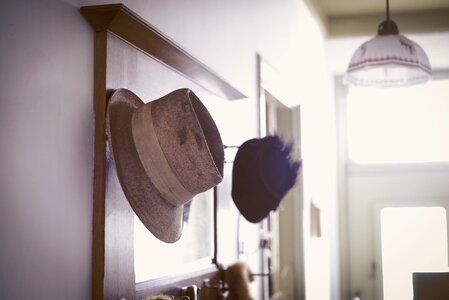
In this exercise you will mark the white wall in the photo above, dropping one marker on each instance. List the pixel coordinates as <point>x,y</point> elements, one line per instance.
<point>46,115</point>
<point>318,135</point>
<point>46,125</point>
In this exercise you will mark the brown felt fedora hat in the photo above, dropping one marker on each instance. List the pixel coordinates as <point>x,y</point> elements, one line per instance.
<point>165,151</point>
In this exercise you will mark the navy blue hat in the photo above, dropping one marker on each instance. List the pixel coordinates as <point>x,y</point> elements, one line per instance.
<point>262,175</point>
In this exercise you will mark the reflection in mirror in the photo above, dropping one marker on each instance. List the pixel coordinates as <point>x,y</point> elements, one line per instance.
<point>154,258</point>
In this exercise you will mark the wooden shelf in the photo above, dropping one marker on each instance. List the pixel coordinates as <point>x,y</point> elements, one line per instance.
<point>121,21</point>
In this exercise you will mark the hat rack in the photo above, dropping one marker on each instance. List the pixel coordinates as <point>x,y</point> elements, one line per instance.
<point>219,285</point>
<point>122,40</point>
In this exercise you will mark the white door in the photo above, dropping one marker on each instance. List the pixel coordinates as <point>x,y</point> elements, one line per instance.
<point>411,236</point>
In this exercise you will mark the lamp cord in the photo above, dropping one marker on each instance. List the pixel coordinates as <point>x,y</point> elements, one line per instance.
<point>388,10</point>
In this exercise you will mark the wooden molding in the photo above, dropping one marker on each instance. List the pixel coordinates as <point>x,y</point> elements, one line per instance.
<point>121,21</point>
<point>100,17</point>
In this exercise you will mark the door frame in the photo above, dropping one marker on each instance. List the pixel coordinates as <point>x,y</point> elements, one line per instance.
<point>271,80</point>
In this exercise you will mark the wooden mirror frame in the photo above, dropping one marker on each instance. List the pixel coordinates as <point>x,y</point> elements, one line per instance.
<point>112,275</point>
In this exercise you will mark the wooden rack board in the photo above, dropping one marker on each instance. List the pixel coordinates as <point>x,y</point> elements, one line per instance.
<point>124,44</point>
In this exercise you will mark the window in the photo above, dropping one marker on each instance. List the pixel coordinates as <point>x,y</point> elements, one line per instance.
<point>398,125</point>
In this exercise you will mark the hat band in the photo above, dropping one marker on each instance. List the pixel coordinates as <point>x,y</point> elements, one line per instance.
<point>153,159</point>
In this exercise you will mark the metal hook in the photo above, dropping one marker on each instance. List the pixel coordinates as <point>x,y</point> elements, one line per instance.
<point>189,293</point>
<point>230,161</point>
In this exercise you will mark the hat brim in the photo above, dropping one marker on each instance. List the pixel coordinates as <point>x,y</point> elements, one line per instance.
<point>161,218</point>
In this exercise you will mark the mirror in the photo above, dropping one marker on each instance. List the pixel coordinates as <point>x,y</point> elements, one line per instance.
<point>192,251</point>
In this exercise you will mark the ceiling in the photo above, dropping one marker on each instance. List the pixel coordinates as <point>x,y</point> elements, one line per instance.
<point>361,17</point>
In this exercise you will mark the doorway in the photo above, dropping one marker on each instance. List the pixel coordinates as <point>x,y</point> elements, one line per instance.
<point>286,224</point>
<point>391,152</point>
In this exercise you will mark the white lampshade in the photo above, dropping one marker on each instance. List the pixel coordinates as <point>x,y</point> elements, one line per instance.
<point>388,60</point>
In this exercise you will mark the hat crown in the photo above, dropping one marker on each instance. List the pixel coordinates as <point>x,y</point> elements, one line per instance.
<point>192,142</point>
<point>179,145</point>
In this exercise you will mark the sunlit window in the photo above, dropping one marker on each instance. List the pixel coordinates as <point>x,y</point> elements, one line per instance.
<point>399,125</point>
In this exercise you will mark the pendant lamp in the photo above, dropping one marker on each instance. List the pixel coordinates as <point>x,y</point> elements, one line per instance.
<point>388,59</point>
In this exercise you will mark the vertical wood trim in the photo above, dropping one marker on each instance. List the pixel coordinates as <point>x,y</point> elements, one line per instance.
<point>214,258</point>
<point>98,234</point>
